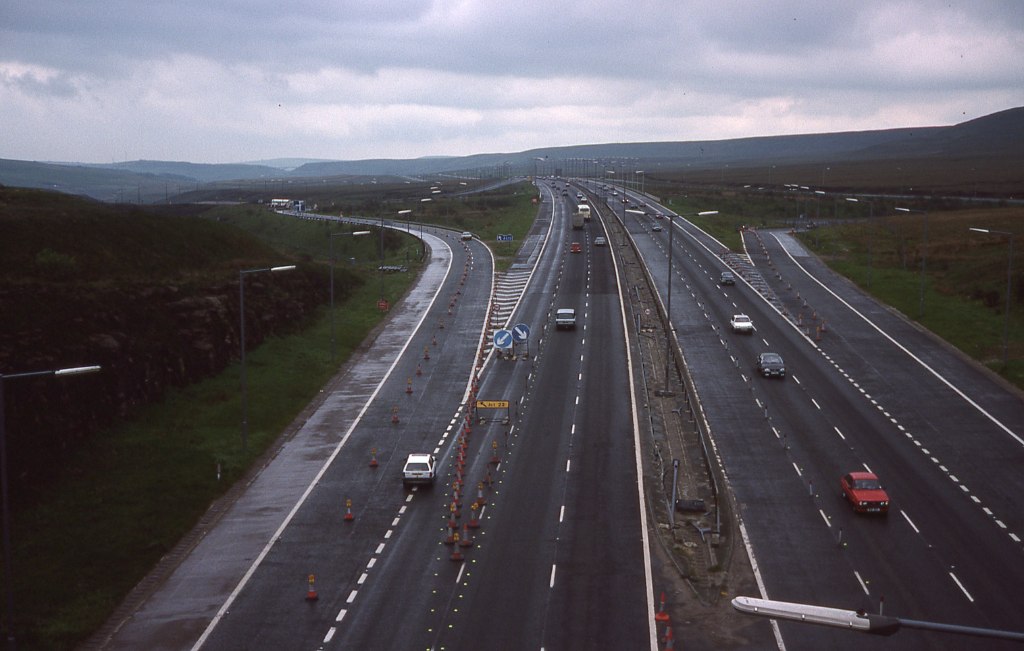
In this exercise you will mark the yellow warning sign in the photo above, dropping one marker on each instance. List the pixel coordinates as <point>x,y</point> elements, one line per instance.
<point>492,404</point>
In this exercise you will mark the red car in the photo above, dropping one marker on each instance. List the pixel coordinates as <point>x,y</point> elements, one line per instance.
<point>575,248</point>
<point>865,492</point>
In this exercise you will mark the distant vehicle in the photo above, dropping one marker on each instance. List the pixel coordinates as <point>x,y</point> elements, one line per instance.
<point>466,235</point>
<point>599,241</point>
<point>658,215</point>
<point>575,247</point>
<point>579,196</point>
<point>864,492</point>
<point>727,278</point>
<point>771,365</point>
<point>742,324</point>
<point>656,228</point>
<point>615,193</point>
<point>565,318</point>
<point>419,469</point>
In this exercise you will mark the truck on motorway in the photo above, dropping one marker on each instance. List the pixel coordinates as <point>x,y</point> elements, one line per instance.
<point>577,221</point>
<point>584,210</point>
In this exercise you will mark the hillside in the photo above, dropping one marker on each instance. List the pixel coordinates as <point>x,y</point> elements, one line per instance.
<point>152,297</point>
<point>997,137</point>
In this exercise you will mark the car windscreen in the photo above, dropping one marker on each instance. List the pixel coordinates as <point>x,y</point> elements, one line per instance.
<point>417,467</point>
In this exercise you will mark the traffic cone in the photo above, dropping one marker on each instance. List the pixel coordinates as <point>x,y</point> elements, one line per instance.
<point>348,511</point>
<point>311,590</point>
<point>373,457</point>
<point>456,554</point>
<point>466,541</point>
<point>408,386</point>
<point>419,370</point>
<point>670,640</point>
<point>426,353</point>
<point>494,453</point>
<point>480,499</point>
<point>474,523</point>
<point>394,416</point>
<point>662,616</point>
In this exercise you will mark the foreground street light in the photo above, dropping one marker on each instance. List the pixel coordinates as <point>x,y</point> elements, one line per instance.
<point>1009,282</point>
<point>330,240</point>
<point>241,312</point>
<point>668,308</point>
<point>924,255</point>
<point>8,572</point>
<point>855,620</point>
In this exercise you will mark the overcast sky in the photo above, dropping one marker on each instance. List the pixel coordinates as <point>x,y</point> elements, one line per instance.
<point>216,81</point>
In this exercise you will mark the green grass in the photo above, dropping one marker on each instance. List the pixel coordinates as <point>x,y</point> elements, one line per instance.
<point>964,281</point>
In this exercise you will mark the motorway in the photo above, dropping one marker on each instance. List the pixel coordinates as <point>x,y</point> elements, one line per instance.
<point>559,559</point>
<point>866,390</point>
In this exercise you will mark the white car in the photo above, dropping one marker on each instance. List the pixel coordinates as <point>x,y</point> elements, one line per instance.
<point>565,318</point>
<point>419,469</point>
<point>600,241</point>
<point>742,324</point>
<point>466,235</point>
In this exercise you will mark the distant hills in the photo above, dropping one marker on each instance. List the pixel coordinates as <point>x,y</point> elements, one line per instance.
<point>994,138</point>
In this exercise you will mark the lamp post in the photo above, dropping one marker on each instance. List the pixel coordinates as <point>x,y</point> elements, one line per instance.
<point>668,308</point>
<point>8,574</point>
<point>858,620</point>
<point>871,214</point>
<point>1009,282</point>
<point>241,315</point>
<point>924,257</point>
<point>330,239</point>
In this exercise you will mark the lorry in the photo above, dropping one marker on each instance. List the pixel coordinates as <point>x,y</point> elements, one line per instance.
<point>577,221</point>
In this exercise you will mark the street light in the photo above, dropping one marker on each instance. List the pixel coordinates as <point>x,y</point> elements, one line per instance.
<point>871,214</point>
<point>241,315</point>
<point>1009,281</point>
<point>8,574</point>
<point>668,308</point>
<point>330,240</point>
<point>856,620</point>
<point>924,255</point>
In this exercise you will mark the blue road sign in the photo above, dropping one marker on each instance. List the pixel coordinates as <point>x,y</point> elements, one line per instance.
<point>521,332</point>
<point>505,237</point>
<point>502,339</point>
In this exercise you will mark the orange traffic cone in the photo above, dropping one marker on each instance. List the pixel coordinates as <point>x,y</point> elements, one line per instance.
<point>662,616</point>
<point>373,457</point>
<point>348,511</point>
<point>311,590</point>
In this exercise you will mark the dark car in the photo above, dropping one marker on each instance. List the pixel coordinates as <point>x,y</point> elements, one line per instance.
<point>727,278</point>
<point>864,492</point>
<point>771,365</point>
